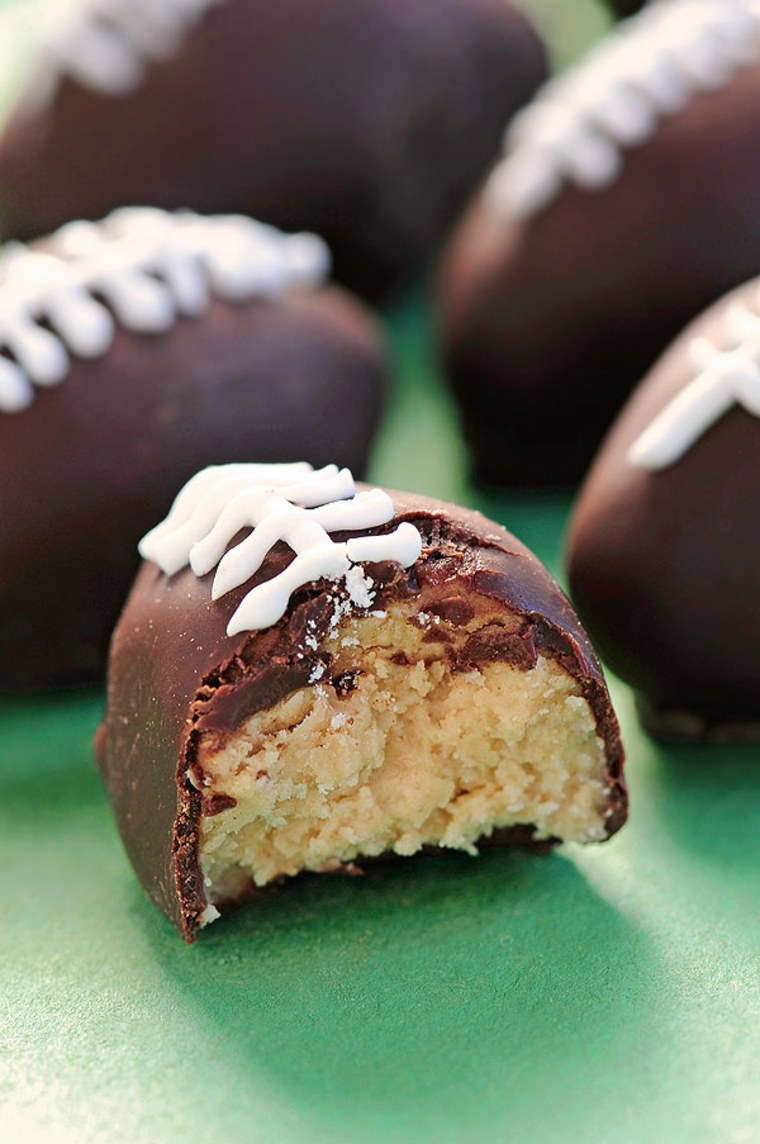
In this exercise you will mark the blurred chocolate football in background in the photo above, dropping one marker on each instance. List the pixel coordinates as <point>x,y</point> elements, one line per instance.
<point>664,549</point>
<point>367,121</point>
<point>133,352</point>
<point>627,202</point>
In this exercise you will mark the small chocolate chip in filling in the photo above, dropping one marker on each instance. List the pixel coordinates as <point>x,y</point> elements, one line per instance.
<point>455,609</point>
<point>345,683</point>
<point>214,804</point>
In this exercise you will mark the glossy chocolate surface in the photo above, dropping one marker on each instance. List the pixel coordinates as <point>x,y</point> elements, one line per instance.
<point>174,673</point>
<point>663,565</point>
<point>96,461</point>
<point>547,324</point>
<point>366,121</point>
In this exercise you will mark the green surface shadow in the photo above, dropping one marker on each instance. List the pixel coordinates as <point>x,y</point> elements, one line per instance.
<point>49,732</point>
<point>710,804</point>
<point>441,980</point>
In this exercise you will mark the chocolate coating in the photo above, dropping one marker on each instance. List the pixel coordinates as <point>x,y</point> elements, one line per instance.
<point>93,463</point>
<point>174,673</point>
<point>547,324</point>
<point>663,565</point>
<point>366,121</point>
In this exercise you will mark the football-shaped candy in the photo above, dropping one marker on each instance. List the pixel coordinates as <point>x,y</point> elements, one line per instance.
<point>134,351</point>
<point>308,674</point>
<point>626,204</point>
<point>367,121</point>
<point>664,549</point>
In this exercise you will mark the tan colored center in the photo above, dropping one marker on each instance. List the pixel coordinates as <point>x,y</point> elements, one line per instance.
<point>414,755</point>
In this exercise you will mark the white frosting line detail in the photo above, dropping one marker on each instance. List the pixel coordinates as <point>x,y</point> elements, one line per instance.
<point>291,503</point>
<point>108,45</point>
<point>726,378</point>
<point>150,267</point>
<point>650,66</point>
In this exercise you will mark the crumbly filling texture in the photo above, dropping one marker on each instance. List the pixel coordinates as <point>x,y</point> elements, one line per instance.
<point>390,750</point>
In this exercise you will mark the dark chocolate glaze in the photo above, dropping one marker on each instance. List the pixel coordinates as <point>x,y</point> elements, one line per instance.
<point>174,674</point>
<point>367,121</point>
<point>664,565</point>
<point>547,324</point>
<point>95,462</point>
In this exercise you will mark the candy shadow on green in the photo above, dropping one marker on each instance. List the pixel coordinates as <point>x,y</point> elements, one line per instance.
<point>47,765</point>
<point>440,992</point>
<point>705,801</point>
<point>711,806</point>
<point>48,731</point>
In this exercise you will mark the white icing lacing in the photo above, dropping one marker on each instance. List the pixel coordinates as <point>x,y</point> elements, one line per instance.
<point>108,45</point>
<point>291,503</point>
<point>142,268</point>
<point>725,378</point>
<point>651,66</point>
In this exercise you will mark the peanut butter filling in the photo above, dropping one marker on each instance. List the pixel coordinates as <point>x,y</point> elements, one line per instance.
<point>392,748</point>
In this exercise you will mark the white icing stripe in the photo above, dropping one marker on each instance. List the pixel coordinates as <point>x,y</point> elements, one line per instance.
<point>290,503</point>
<point>726,378</point>
<point>108,45</point>
<point>150,267</point>
<point>650,66</point>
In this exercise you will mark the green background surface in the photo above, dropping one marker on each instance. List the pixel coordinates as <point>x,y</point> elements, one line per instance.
<point>609,993</point>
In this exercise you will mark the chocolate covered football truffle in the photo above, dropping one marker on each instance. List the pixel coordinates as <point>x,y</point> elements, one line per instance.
<point>133,352</point>
<point>367,121</point>
<point>665,544</point>
<point>301,701</point>
<point>627,203</point>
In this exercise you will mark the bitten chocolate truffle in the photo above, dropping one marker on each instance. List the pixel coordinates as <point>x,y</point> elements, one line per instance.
<point>665,544</point>
<point>367,121</point>
<point>134,352</point>
<point>304,701</point>
<point>626,204</point>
